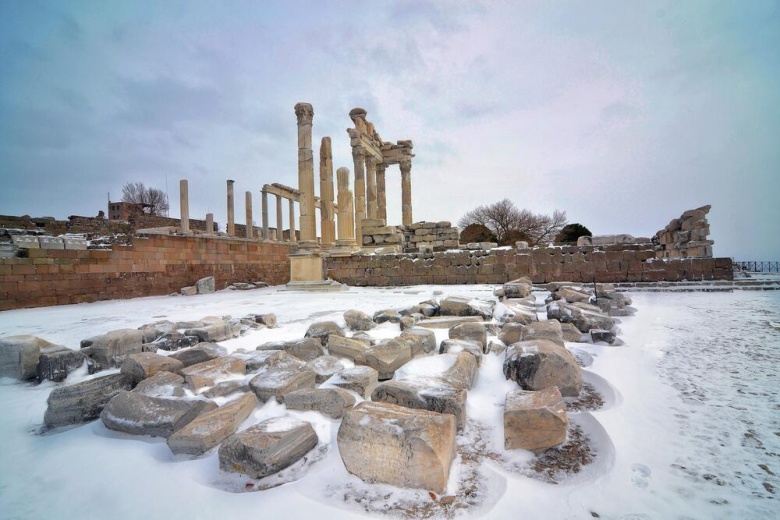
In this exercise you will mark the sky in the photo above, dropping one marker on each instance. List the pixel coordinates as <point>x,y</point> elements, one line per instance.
<point>622,114</point>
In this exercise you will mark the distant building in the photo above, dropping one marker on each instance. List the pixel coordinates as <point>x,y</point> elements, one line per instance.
<point>123,210</point>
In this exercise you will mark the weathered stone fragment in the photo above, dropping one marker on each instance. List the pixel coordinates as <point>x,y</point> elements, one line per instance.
<point>534,421</point>
<point>461,306</point>
<point>387,315</point>
<point>519,288</point>
<point>190,290</point>
<point>332,402</point>
<point>408,322</point>
<point>55,363</point>
<point>540,364</point>
<point>200,353</point>
<point>607,336</point>
<point>570,333</point>
<point>348,348</point>
<point>281,379</point>
<point>510,333</point>
<point>453,346</point>
<point>153,331</point>
<point>216,330</point>
<point>139,414</point>
<point>82,401</point>
<point>111,349</point>
<point>325,367</point>
<point>582,315</point>
<point>269,320</point>
<point>226,388</point>
<point>458,369</point>
<point>323,330</point>
<point>212,427</point>
<point>206,286</point>
<point>361,380</point>
<point>357,320</point>
<point>140,366</point>
<point>470,331</point>
<point>174,340</point>
<point>268,447</point>
<point>571,295</point>
<point>390,444</point>
<point>420,340</point>
<point>549,330</point>
<point>516,311</point>
<point>448,322</point>
<point>208,373</point>
<point>388,357</point>
<point>307,349</point>
<point>162,384</point>
<point>424,393</point>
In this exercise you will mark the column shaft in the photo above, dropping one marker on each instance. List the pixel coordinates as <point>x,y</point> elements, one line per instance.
<point>371,186</point>
<point>264,203</point>
<point>305,113</point>
<point>358,157</point>
<point>406,193</point>
<point>248,209</point>
<point>231,224</point>
<point>293,237</point>
<point>381,193</point>
<point>209,223</point>
<point>328,235</point>
<point>184,205</point>
<point>346,210</point>
<point>279,226</point>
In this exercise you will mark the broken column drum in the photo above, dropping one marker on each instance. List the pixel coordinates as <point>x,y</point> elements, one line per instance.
<point>346,210</point>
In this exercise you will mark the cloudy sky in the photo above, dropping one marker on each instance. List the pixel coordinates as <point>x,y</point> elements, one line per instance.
<point>623,114</point>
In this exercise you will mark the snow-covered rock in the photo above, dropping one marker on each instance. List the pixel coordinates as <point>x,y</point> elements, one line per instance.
<point>332,402</point>
<point>325,367</point>
<point>360,379</point>
<point>307,349</point>
<point>206,285</point>
<point>322,330</point>
<point>349,348</point>
<point>424,393</point>
<point>453,346</point>
<point>82,401</point>
<point>111,349</point>
<point>200,353</point>
<point>540,364</point>
<point>470,331</point>
<point>388,357</point>
<point>534,421</point>
<point>358,320</point>
<point>140,366</point>
<point>546,329</point>
<point>56,362</point>
<point>280,379</point>
<point>139,414</point>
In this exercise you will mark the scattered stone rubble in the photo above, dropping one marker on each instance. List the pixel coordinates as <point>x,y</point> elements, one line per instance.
<point>401,401</point>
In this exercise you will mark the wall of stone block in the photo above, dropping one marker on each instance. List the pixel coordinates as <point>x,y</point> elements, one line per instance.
<point>577,264</point>
<point>439,236</point>
<point>156,265</point>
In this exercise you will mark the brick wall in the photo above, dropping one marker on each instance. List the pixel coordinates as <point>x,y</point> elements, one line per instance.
<point>156,265</point>
<point>624,263</point>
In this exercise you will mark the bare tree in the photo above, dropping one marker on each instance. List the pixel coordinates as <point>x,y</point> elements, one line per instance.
<point>151,200</point>
<point>509,223</point>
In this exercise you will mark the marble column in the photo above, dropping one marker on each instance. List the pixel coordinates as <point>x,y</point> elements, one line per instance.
<point>406,192</point>
<point>184,205</point>
<point>231,225</point>
<point>371,186</point>
<point>305,113</point>
<point>209,223</point>
<point>381,193</point>
<point>279,227</point>
<point>264,202</point>
<point>358,157</point>
<point>328,235</point>
<point>346,210</point>
<point>248,209</point>
<point>293,237</point>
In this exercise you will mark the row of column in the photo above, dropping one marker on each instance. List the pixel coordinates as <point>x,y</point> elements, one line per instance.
<point>370,194</point>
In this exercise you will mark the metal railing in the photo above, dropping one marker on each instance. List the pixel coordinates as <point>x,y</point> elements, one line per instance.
<point>757,267</point>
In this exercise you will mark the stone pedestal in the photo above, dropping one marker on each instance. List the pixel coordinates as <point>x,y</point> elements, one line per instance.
<point>307,273</point>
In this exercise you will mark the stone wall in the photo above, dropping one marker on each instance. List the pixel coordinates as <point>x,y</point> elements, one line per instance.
<point>156,265</point>
<point>685,237</point>
<point>627,263</point>
<point>95,226</point>
<point>439,236</point>
<point>376,233</point>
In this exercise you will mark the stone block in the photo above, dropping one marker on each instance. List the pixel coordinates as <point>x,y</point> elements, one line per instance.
<point>139,414</point>
<point>51,243</point>
<point>199,353</point>
<point>425,393</point>
<point>138,367</point>
<point>75,244</point>
<point>19,356</point>
<point>111,349</point>
<point>278,380</point>
<point>534,421</point>
<point>82,402</point>
<point>333,402</point>
<point>385,443</point>
<point>388,357</point>
<point>540,364</point>
<point>56,363</point>
<point>205,285</point>
<point>26,242</point>
<point>208,373</point>
<point>361,379</point>
<point>349,348</point>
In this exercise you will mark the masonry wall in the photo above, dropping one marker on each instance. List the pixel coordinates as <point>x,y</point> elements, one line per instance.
<point>156,265</point>
<point>624,263</point>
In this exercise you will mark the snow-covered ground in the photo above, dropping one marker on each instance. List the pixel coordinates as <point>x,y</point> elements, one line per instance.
<point>690,427</point>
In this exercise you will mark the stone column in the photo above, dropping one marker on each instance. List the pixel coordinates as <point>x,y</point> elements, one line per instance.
<point>305,113</point>
<point>184,205</point>
<point>381,193</point>
<point>406,192</point>
<point>328,223</point>
<point>371,186</point>
<point>209,223</point>
<point>358,157</point>
<point>264,202</point>
<point>346,211</point>
<point>293,238</point>
<point>250,231</point>
<point>231,225</point>
<point>279,227</point>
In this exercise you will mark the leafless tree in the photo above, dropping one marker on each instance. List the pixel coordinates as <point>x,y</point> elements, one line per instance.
<point>509,223</point>
<point>151,200</point>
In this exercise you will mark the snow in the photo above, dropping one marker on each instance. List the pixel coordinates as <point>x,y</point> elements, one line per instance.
<point>689,428</point>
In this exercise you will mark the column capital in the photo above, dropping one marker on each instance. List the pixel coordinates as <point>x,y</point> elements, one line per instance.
<point>358,152</point>
<point>304,112</point>
<point>405,165</point>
